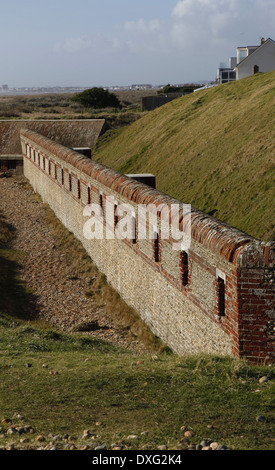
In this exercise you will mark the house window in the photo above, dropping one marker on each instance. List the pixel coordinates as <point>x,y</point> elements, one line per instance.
<point>221,296</point>
<point>225,76</point>
<point>256,69</point>
<point>184,268</point>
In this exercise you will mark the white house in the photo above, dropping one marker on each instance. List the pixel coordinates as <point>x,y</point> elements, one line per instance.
<point>254,59</point>
<point>249,60</point>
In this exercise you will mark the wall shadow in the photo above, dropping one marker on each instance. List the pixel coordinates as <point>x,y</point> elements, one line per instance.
<point>16,300</point>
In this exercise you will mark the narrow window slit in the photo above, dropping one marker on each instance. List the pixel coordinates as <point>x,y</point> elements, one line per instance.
<point>115,216</point>
<point>134,230</point>
<point>101,203</point>
<point>221,297</point>
<point>156,248</point>
<point>78,189</point>
<point>184,271</point>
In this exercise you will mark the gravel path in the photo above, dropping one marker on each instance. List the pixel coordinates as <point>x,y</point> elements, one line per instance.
<point>59,297</point>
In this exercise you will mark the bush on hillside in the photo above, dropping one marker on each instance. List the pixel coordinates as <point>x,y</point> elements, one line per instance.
<point>176,89</point>
<point>97,98</point>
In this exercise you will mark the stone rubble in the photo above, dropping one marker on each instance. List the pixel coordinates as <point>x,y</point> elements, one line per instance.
<point>88,440</point>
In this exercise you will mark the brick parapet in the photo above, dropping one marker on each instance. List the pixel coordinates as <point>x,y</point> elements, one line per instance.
<point>217,251</point>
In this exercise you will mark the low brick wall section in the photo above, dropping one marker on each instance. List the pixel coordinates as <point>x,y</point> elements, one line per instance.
<point>217,297</point>
<point>71,132</point>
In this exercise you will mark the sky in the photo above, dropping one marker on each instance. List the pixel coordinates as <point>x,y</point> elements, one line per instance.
<point>90,43</point>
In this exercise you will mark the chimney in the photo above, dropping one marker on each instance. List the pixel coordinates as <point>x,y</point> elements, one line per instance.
<point>262,40</point>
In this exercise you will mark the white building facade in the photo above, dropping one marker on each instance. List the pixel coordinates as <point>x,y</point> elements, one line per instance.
<point>249,60</point>
<point>256,59</point>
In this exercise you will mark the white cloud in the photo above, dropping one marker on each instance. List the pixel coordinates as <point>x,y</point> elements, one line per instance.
<point>204,20</point>
<point>184,8</point>
<point>140,26</point>
<point>221,23</point>
<point>195,38</point>
<point>72,45</point>
<point>92,43</point>
<point>192,22</point>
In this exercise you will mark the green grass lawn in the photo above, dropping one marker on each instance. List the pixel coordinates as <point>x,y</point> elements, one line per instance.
<point>64,384</point>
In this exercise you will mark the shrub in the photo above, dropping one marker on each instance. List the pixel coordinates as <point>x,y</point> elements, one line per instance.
<point>97,98</point>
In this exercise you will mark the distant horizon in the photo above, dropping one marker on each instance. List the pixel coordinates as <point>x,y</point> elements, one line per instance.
<point>77,87</point>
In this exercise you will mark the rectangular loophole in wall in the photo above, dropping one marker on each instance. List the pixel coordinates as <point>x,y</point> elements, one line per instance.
<point>78,189</point>
<point>184,268</point>
<point>115,216</point>
<point>134,229</point>
<point>156,245</point>
<point>221,296</point>
<point>88,195</point>
<point>101,203</point>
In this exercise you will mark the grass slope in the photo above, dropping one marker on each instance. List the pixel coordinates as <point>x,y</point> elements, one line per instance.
<point>213,149</point>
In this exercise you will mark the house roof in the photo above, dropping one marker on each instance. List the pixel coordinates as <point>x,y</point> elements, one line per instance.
<point>248,47</point>
<point>256,50</point>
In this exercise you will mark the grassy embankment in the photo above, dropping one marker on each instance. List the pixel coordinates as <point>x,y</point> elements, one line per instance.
<point>213,149</point>
<point>65,383</point>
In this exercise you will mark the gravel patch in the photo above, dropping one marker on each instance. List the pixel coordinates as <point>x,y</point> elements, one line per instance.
<point>59,296</point>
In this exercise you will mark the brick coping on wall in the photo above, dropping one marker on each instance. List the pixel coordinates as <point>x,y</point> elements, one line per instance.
<point>231,243</point>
